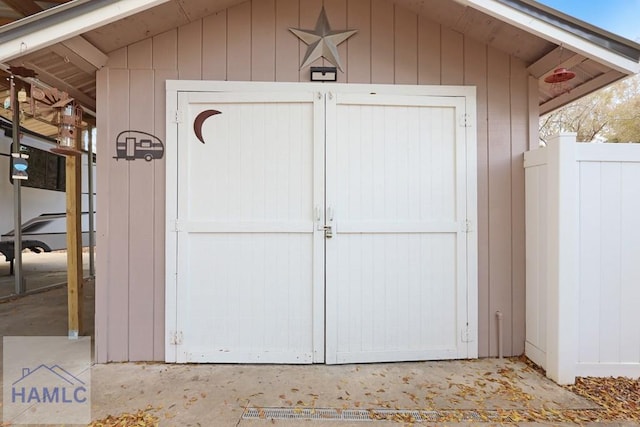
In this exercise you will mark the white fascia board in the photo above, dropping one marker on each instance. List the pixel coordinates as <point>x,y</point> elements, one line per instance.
<point>554,34</point>
<point>76,25</point>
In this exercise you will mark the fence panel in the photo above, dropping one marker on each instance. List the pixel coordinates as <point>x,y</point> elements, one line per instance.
<point>583,284</point>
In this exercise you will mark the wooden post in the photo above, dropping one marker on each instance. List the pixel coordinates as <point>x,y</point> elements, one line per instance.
<point>73,166</point>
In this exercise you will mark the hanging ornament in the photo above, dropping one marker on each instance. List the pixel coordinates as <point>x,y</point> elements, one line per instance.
<point>22,95</point>
<point>69,122</point>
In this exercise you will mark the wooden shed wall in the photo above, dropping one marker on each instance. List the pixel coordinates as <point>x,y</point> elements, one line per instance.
<point>251,41</point>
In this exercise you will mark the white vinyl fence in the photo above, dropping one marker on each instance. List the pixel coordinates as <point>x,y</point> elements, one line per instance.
<point>583,258</point>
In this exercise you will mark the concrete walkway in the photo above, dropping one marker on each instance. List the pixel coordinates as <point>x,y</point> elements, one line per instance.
<point>252,395</point>
<point>438,393</point>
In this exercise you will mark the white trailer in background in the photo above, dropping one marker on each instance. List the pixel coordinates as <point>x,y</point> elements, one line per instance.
<point>43,195</point>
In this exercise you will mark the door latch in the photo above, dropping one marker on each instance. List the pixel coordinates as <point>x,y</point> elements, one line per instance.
<point>328,228</point>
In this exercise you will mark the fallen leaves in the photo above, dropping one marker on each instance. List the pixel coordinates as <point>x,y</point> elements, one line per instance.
<point>140,418</point>
<point>503,394</point>
<point>619,397</point>
<point>398,417</point>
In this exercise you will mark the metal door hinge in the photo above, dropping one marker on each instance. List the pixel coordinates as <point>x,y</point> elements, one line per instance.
<point>466,335</point>
<point>465,121</point>
<point>175,338</point>
<point>177,116</point>
<point>467,226</point>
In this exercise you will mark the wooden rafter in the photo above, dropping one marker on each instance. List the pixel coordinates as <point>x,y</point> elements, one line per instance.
<point>58,83</point>
<point>24,7</point>
<point>12,10</point>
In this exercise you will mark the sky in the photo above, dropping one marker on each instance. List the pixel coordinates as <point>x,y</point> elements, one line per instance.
<point>620,17</point>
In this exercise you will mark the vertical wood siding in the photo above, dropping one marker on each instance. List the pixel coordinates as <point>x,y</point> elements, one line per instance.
<point>475,73</point>
<point>499,198</point>
<point>519,144</point>
<point>251,41</point>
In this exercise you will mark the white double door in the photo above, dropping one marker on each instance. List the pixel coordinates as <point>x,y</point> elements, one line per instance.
<point>318,226</point>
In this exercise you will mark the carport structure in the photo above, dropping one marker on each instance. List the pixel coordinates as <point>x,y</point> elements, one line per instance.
<point>476,68</point>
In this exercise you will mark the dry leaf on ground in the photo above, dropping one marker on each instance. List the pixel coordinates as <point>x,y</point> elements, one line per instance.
<point>140,418</point>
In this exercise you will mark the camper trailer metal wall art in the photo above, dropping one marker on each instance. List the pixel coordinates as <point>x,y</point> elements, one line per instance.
<point>134,144</point>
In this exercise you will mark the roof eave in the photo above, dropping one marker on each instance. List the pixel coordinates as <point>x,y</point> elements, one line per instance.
<point>61,23</point>
<point>560,36</point>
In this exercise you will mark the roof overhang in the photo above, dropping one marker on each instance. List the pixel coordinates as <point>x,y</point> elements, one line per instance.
<point>63,23</point>
<point>598,56</point>
<point>562,30</point>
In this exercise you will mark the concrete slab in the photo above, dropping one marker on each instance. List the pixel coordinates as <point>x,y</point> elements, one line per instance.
<point>43,314</point>
<point>40,271</point>
<point>218,395</point>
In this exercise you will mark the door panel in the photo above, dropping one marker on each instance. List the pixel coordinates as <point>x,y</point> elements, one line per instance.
<point>396,281</point>
<point>246,231</point>
<point>257,279</point>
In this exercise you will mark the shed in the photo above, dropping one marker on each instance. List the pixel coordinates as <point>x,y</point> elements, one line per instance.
<point>246,214</point>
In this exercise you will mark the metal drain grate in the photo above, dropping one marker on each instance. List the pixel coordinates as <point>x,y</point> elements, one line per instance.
<point>305,414</point>
<point>365,415</point>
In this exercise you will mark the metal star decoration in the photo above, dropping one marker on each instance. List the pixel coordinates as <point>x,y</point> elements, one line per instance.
<point>322,41</point>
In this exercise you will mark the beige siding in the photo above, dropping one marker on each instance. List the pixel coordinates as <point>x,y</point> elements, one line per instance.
<point>499,195</point>
<point>263,40</point>
<point>190,51</point>
<point>103,168</point>
<point>382,36</point>
<point>475,73</point>
<point>286,54</point>
<point>359,46</point>
<point>239,36</point>
<point>251,41</point>
<point>214,57</point>
<point>141,229</point>
<point>112,284</point>
<point>519,144</point>
<point>429,66</point>
<point>451,55</point>
<point>405,47</point>
<point>158,216</point>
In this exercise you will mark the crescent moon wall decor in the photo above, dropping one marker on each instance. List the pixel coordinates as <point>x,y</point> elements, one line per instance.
<point>199,122</point>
